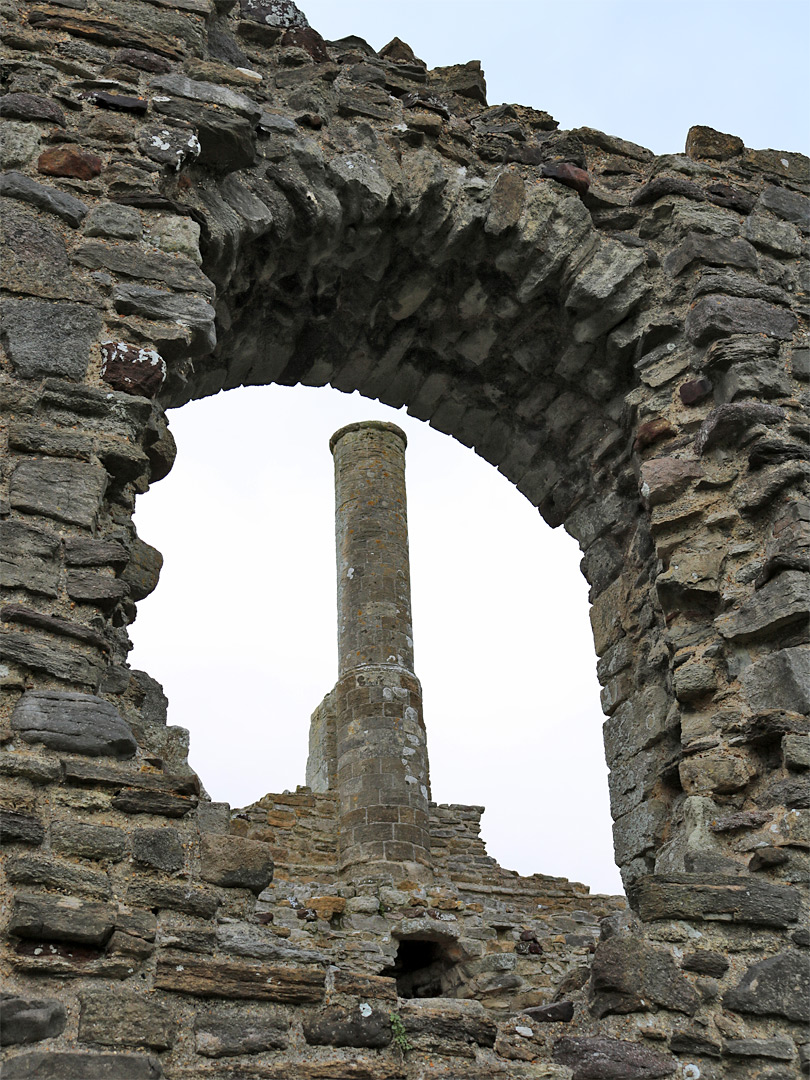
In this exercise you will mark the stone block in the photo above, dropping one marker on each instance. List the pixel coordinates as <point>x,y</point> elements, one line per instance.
<point>40,869</point>
<point>76,723</point>
<point>721,771</point>
<point>63,918</point>
<point>706,962</point>
<point>786,204</point>
<point>720,316</point>
<point>126,1018</point>
<point>114,221</point>
<point>239,979</point>
<point>44,337</point>
<point>159,848</point>
<point>796,752</point>
<point>359,1026</point>
<point>191,312</point>
<point>88,841</point>
<point>142,571</point>
<point>26,1020</point>
<point>776,986</point>
<point>628,975</point>
<point>778,237</point>
<point>151,893</point>
<point>780,680</point>
<point>235,862</point>
<point>74,1065</point>
<point>705,142</point>
<point>17,827</point>
<point>664,479</point>
<point>612,1059</point>
<point>640,830</point>
<point>132,800</point>
<point>740,899</point>
<point>227,1032</point>
<point>19,144</point>
<point>14,185</point>
<point>782,602</point>
<point>447,1026</point>
<point>69,491</point>
<point>694,680</point>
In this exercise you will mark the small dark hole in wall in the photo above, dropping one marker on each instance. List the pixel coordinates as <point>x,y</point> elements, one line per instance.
<point>423,969</point>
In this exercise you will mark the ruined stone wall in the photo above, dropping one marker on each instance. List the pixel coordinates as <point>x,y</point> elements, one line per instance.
<point>202,195</point>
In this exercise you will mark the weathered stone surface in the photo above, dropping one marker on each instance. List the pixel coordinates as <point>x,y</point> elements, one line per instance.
<point>722,771</point>
<point>15,185</point>
<point>66,490</point>
<point>129,260</point>
<point>162,803</point>
<point>159,848</point>
<point>23,1020</point>
<point>94,587</point>
<point>45,338</point>
<point>339,1026</point>
<point>151,303</point>
<point>226,1032</point>
<point>21,106</point>
<point>113,221</point>
<point>786,204</point>
<point>143,568</point>
<point>776,1049</point>
<point>19,143</point>
<point>226,141</point>
<point>700,896</point>
<point>796,751</point>
<point>777,986</point>
<point>31,650</point>
<point>132,369</point>
<point>40,869</point>
<point>64,918</point>
<point>602,1058</point>
<point>151,893</point>
<point>61,1065</point>
<point>235,862</point>
<point>439,1025</point>
<point>777,237</point>
<point>706,962</point>
<point>77,723</point>
<point>69,161</point>
<point>705,142</point>
<point>783,601</point>
<point>239,979</point>
<point>281,13</point>
<point>17,827</point>
<point>628,975</point>
<point>88,841</point>
<point>780,680</point>
<point>559,1012</point>
<point>714,250</point>
<point>126,1018</point>
<point>720,316</point>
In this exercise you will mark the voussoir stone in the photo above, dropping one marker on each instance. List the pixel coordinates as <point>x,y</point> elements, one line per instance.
<point>236,862</point>
<point>776,986</point>
<point>76,723</point>
<point>27,1020</point>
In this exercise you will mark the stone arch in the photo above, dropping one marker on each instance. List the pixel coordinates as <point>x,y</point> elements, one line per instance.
<point>619,334</point>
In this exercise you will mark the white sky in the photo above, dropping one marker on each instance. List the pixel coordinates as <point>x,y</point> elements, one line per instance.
<point>242,629</point>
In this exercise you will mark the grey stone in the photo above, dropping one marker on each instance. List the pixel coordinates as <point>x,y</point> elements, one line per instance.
<point>781,602</point>
<point>227,1032</point>
<point>163,803</point>
<point>227,142</point>
<point>48,338</point>
<point>77,723</point>
<point>729,424</point>
<point>31,107</point>
<point>143,568</point>
<point>14,185</point>
<point>780,680</point>
<point>114,221</point>
<point>600,1058</point>
<point>720,316</point>
<point>61,1065</point>
<point>227,978</point>
<point>69,491</point>
<point>51,873</point>
<point>705,896</point>
<point>29,649</point>
<point>706,962</point>
<point>17,827</point>
<point>27,558</point>
<point>131,260</point>
<point>88,841</point>
<point>443,1025</point>
<point>92,587</point>
<point>777,1049</point>
<point>25,1020</point>
<point>793,792</point>
<point>126,1018</point>
<point>776,986</point>
<point>714,250</point>
<point>192,900</point>
<point>19,144</point>
<point>786,204</point>
<point>629,975</point>
<point>191,312</point>
<point>82,551</point>
<point>34,258</point>
<point>176,234</point>
<point>235,862</point>
<point>758,379</point>
<point>774,236</point>
<point>178,84</point>
<point>158,848</point>
<point>63,918</point>
<point>281,13</point>
<point>340,1026</point>
<point>796,751</point>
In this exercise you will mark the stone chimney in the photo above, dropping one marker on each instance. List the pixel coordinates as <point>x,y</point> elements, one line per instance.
<point>378,761</point>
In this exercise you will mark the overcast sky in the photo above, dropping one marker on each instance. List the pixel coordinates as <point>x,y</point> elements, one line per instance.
<point>242,629</point>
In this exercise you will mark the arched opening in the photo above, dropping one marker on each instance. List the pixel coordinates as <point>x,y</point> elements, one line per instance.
<point>425,968</point>
<point>503,645</point>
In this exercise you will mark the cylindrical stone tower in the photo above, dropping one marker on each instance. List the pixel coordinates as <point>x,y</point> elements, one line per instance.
<point>382,765</point>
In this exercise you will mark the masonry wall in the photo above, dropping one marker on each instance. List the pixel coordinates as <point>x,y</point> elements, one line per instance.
<point>207,195</point>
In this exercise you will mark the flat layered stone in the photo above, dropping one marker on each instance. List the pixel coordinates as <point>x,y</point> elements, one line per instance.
<point>106,30</point>
<point>76,723</point>
<point>63,918</point>
<point>126,1018</point>
<point>192,312</point>
<point>447,1026</point>
<point>780,680</point>
<point>66,1065</point>
<point>210,93</point>
<point>161,849</point>
<point>162,803</point>
<point>601,1058</point>
<point>720,316</point>
<point>107,775</point>
<point>51,873</point>
<point>17,827</point>
<point>226,1032</point>
<point>235,862</point>
<point>29,1020</point>
<point>88,841</point>
<point>130,260</point>
<point>15,185</point>
<point>31,650</point>
<point>154,893</point>
<point>49,338</point>
<point>68,491</point>
<point>239,979</point>
<point>698,896</point>
<point>360,1026</point>
<point>227,142</point>
<point>781,602</point>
